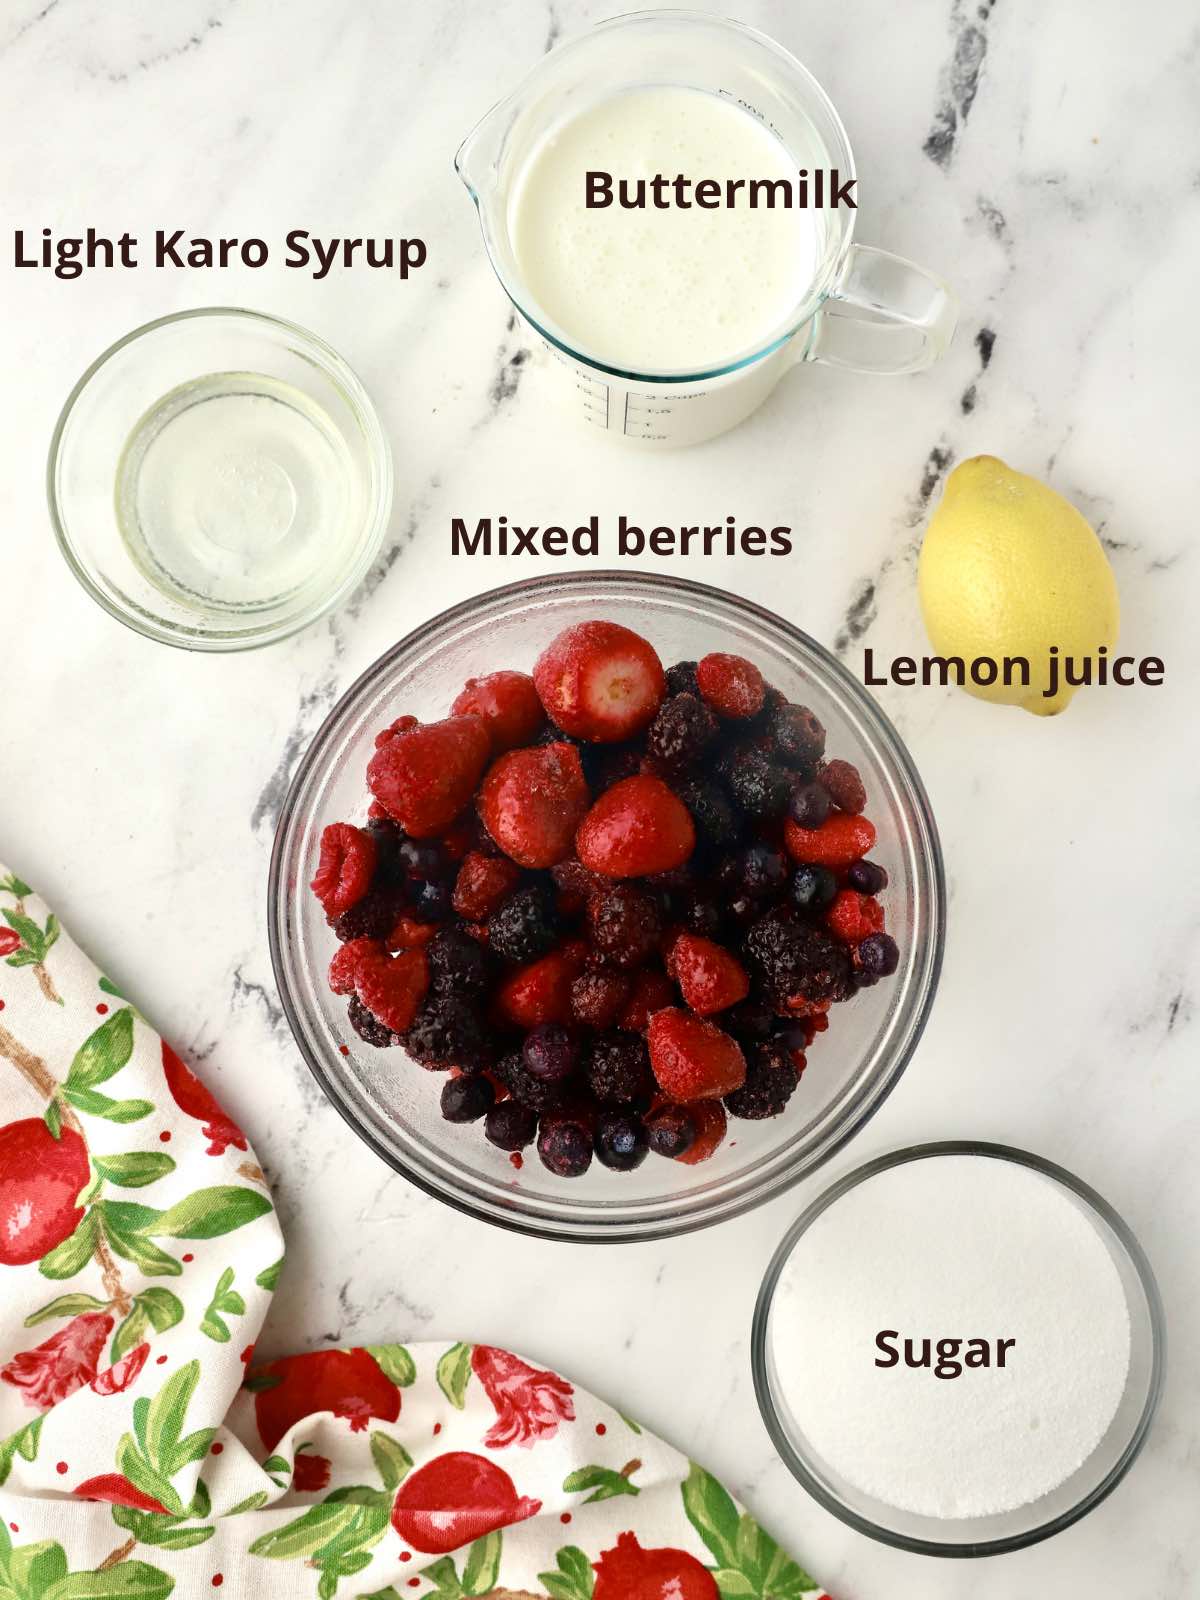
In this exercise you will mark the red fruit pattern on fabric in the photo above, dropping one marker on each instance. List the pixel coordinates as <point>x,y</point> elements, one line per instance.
<point>731,685</point>
<point>392,987</point>
<point>541,991</point>
<point>482,883</point>
<point>40,1180</point>
<point>116,1491</point>
<point>117,1378</point>
<point>345,867</point>
<point>508,703</point>
<point>532,801</point>
<point>529,1403</point>
<point>343,969</point>
<point>711,1126</point>
<point>839,840</point>
<point>426,775</point>
<point>194,1100</point>
<point>853,916</point>
<point>709,977</point>
<point>60,1364</point>
<point>629,1572</point>
<point>311,1472</point>
<point>600,681</point>
<point>692,1058</point>
<point>841,782</point>
<point>9,941</point>
<point>637,828</point>
<point>350,1383</point>
<point>454,1500</point>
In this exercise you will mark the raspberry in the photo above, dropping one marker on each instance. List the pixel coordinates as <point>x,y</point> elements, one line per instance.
<point>618,1069</point>
<point>369,1027</point>
<point>482,883</point>
<point>681,679</point>
<point>598,998</point>
<point>621,1141</point>
<point>866,877</point>
<point>809,805</point>
<point>670,1130</point>
<point>565,1146</point>
<point>467,1099</point>
<point>449,1032</point>
<point>625,925</point>
<point>406,933</point>
<point>770,1083</point>
<point>401,725</point>
<point>457,965</point>
<point>836,843</point>
<point>600,681</point>
<point>510,1125</point>
<point>711,811</point>
<point>711,1124</point>
<point>532,801</point>
<point>509,705</point>
<point>760,789</point>
<point>680,733</point>
<point>538,1094</point>
<point>575,885</point>
<point>524,927</point>
<point>853,917</point>
<point>425,776</point>
<point>692,1058</point>
<point>635,829</point>
<point>709,978</point>
<point>732,685</point>
<point>345,868</point>
<point>541,991</point>
<point>345,962</point>
<point>372,917</point>
<point>798,736</point>
<point>651,992</point>
<point>843,785</point>
<point>392,987</point>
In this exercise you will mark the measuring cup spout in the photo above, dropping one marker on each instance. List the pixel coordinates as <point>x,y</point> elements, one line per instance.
<point>477,156</point>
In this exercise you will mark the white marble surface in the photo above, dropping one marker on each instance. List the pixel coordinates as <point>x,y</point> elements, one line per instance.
<point>139,785</point>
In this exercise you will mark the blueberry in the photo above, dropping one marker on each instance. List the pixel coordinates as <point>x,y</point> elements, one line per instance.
<point>565,1147</point>
<point>866,877</point>
<point>762,870</point>
<point>621,1141</point>
<point>878,956</point>
<point>809,805</point>
<point>798,735</point>
<point>510,1125</point>
<point>421,859</point>
<point>430,900</point>
<point>467,1099</point>
<point>550,1053</point>
<point>813,888</point>
<point>670,1131</point>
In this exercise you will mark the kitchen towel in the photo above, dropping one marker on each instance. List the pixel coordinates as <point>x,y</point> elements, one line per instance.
<point>145,1452</point>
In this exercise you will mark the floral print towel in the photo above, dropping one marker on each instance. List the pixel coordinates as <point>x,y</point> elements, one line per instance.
<point>145,1452</point>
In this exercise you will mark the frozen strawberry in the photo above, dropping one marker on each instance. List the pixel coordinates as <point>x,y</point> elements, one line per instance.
<point>692,1058</point>
<point>635,829</point>
<point>711,1124</point>
<point>345,867</point>
<point>392,987</point>
<point>708,976</point>
<point>409,934</point>
<point>426,775</point>
<point>532,801</point>
<point>652,991</point>
<point>731,685</point>
<point>344,966</point>
<point>401,725</point>
<point>598,998</point>
<point>482,883</point>
<point>841,782</point>
<point>839,840</point>
<point>853,916</point>
<point>600,681</point>
<point>508,702</point>
<point>541,991</point>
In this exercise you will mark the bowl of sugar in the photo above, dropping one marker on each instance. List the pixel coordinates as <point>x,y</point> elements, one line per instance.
<point>958,1349</point>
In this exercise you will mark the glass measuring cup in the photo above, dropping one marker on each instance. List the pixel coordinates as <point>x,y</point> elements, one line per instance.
<point>863,308</point>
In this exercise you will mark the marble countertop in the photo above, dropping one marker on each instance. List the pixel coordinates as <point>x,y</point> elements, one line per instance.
<point>1045,163</point>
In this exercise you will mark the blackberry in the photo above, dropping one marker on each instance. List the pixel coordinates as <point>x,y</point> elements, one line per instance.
<point>770,1083</point>
<point>565,1146</point>
<point>681,679</point>
<point>387,836</point>
<point>681,732</point>
<point>798,735</point>
<point>510,1125</point>
<point>809,805</point>
<point>812,888</point>
<point>524,927</point>
<point>618,1069</point>
<point>422,859</point>
<point>550,1053</point>
<point>671,1131</point>
<point>621,1141</point>
<point>866,877</point>
<point>701,914</point>
<point>429,900</point>
<point>762,870</point>
<point>458,965</point>
<point>878,957</point>
<point>372,917</point>
<point>467,1099</point>
<point>606,764</point>
<point>368,1026</point>
<point>750,1020</point>
<point>624,924</point>
<point>449,1031</point>
<point>536,1093</point>
<point>716,821</point>
<point>793,1038</point>
<point>598,998</point>
<point>793,959</point>
<point>760,789</point>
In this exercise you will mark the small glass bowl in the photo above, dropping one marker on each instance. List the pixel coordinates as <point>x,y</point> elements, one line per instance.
<point>1051,1513</point>
<point>393,1105</point>
<point>169,357</point>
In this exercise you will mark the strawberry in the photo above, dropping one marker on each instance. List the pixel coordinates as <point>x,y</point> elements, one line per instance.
<point>651,992</point>
<point>409,934</point>
<point>692,1059</point>
<point>482,882</point>
<point>541,991</point>
<point>839,840</point>
<point>425,775</point>
<point>344,966</point>
<point>532,801</point>
<point>508,702</point>
<point>344,869</point>
<point>841,782</point>
<point>711,1124</point>
<point>392,987</point>
<point>708,976</point>
<point>401,725</point>
<point>731,685</point>
<point>635,829</point>
<point>600,681</point>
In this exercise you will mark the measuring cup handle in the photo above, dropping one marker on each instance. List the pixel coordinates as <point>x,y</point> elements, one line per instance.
<point>884,314</point>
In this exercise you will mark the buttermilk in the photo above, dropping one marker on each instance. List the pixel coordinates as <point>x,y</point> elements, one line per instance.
<point>829,189</point>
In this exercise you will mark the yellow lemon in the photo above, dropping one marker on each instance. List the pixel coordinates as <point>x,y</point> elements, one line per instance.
<point>1009,569</point>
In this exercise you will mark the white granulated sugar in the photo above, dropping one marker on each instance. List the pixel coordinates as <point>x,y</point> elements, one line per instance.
<point>966,1247</point>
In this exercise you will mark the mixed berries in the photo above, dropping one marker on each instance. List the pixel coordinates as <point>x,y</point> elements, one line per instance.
<point>613,904</point>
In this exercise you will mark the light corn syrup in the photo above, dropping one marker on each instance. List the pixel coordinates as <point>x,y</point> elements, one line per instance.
<point>235,492</point>
<point>952,1246</point>
<point>661,290</point>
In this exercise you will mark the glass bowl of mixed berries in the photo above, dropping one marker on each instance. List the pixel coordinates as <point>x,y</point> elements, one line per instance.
<point>606,906</point>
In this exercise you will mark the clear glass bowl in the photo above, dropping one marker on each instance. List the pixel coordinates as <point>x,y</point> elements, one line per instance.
<point>393,1106</point>
<point>252,498</point>
<point>1026,1525</point>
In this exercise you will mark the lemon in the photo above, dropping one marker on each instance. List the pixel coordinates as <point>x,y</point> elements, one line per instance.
<point>1009,568</point>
